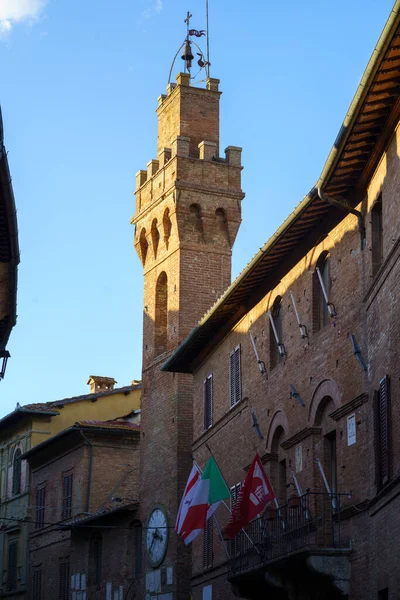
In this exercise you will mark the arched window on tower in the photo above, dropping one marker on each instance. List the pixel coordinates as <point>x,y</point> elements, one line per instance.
<point>16,482</point>
<point>222,226</point>
<point>320,307</point>
<point>143,245</point>
<point>161,316</point>
<point>167,226</point>
<point>155,237</point>
<point>276,348</point>
<point>196,223</point>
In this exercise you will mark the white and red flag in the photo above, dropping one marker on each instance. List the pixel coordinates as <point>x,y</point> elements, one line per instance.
<point>201,498</point>
<point>252,499</point>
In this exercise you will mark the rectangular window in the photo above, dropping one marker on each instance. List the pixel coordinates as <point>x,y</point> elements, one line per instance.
<point>382,432</point>
<point>67,496</point>
<point>208,404</point>
<point>12,565</point>
<point>40,506</point>
<point>330,461</point>
<point>208,544</point>
<point>377,236</point>
<point>37,585</point>
<point>235,383</point>
<point>64,580</point>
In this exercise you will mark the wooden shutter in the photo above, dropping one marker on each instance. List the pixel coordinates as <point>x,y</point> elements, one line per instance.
<point>235,383</point>
<point>377,444</point>
<point>384,428</point>
<point>37,585</point>
<point>40,506</point>
<point>12,565</point>
<point>16,484</point>
<point>64,580</point>
<point>208,544</point>
<point>67,496</point>
<point>207,402</point>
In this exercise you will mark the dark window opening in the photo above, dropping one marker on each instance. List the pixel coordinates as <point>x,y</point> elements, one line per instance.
<point>64,580</point>
<point>321,315</point>
<point>161,316</point>
<point>282,482</point>
<point>144,245</point>
<point>234,377</point>
<point>377,236</point>
<point>12,565</point>
<point>383,594</point>
<point>96,549</point>
<point>16,483</point>
<point>275,356</point>
<point>167,226</point>
<point>330,466</point>
<point>155,237</point>
<point>67,496</point>
<point>40,506</point>
<point>138,550</point>
<point>207,392</point>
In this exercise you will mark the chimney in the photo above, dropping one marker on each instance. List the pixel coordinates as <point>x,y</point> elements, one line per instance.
<point>100,384</point>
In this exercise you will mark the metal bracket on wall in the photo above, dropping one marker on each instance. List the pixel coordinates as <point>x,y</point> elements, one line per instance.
<point>357,352</point>
<point>294,394</point>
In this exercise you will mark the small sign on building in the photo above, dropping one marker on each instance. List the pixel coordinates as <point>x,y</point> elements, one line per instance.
<point>351,429</point>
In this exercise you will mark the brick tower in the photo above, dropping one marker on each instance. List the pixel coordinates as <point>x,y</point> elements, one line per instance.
<point>188,211</point>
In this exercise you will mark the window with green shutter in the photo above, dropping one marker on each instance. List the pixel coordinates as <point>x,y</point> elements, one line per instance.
<point>12,565</point>
<point>208,393</point>
<point>67,496</point>
<point>235,381</point>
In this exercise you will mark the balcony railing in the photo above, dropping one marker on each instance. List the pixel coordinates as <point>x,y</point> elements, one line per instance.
<point>309,521</point>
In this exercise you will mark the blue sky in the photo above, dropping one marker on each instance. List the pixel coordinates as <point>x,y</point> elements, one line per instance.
<point>79,86</point>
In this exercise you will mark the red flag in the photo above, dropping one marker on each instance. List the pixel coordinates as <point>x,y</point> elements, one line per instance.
<point>253,498</point>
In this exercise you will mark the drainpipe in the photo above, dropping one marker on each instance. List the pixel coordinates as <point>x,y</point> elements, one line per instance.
<point>90,471</point>
<point>343,205</point>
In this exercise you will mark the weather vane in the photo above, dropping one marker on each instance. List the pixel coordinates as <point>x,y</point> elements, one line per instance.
<point>187,56</point>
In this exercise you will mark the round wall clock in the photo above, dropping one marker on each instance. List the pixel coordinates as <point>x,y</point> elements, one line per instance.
<point>157,536</point>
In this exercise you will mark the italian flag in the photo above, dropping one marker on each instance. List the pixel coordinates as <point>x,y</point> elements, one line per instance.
<point>200,501</point>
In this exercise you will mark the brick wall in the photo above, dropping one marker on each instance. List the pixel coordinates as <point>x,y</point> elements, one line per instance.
<point>319,366</point>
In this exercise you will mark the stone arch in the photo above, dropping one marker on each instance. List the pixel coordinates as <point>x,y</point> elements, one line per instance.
<point>326,389</point>
<point>167,226</point>
<point>278,420</point>
<point>155,237</point>
<point>222,226</point>
<point>144,245</point>
<point>196,223</point>
<point>161,314</point>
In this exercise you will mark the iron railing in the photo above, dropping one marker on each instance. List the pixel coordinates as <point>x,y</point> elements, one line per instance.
<point>308,521</point>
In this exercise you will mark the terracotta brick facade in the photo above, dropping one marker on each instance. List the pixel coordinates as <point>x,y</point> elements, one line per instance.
<point>88,530</point>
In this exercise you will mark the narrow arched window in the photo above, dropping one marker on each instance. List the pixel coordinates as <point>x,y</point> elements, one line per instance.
<point>196,222</point>
<point>16,482</point>
<point>155,237</point>
<point>222,226</point>
<point>276,348</point>
<point>143,245</point>
<point>320,306</point>
<point>161,316</point>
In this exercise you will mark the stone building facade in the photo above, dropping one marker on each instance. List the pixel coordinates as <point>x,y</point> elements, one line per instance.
<point>188,211</point>
<point>298,362</point>
<point>85,539</point>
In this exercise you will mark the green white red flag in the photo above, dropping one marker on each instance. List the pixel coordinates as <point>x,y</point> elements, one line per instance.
<point>252,499</point>
<point>201,499</point>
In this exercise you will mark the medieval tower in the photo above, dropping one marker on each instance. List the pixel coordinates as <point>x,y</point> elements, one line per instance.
<point>188,211</point>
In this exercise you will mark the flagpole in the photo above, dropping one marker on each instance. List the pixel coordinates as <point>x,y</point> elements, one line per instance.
<point>208,42</point>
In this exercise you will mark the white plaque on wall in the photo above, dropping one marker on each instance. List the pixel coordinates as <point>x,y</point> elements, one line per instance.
<point>351,430</point>
<point>299,458</point>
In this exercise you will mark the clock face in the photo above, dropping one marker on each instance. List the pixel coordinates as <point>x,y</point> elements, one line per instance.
<point>157,536</point>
